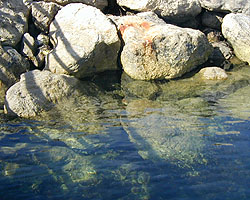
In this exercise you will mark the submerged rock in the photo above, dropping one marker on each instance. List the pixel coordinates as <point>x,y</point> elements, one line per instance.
<point>173,10</point>
<point>236,29</point>
<point>155,50</point>
<point>86,42</point>
<point>38,91</point>
<point>138,88</point>
<point>14,21</point>
<point>12,65</point>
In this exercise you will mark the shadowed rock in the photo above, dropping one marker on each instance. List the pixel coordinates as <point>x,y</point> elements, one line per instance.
<point>12,65</point>
<point>13,20</point>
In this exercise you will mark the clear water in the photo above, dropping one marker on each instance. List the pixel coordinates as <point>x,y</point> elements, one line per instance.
<point>182,139</point>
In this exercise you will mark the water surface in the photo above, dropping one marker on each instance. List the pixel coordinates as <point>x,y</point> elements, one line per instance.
<point>184,139</point>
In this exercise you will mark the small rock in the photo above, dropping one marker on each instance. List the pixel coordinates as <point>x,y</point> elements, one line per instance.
<point>213,73</point>
<point>29,46</point>
<point>221,53</point>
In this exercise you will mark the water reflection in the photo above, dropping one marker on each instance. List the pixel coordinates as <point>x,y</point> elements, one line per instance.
<point>189,141</point>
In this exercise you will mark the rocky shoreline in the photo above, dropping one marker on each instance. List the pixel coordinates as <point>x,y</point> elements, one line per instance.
<point>48,47</point>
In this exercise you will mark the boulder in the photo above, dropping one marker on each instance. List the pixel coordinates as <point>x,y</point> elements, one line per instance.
<point>235,6</point>
<point>236,29</point>
<point>86,42</point>
<point>100,4</point>
<point>12,65</point>
<point>159,50</point>
<point>173,10</point>
<point>38,91</point>
<point>43,14</point>
<point>213,73</point>
<point>13,20</point>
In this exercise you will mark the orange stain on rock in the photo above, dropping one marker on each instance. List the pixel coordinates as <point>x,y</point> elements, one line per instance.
<point>144,25</point>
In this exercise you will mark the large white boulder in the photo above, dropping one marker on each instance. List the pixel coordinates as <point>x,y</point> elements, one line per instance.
<point>156,50</point>
<point>173,10</point>
<point>13,20</point>
<point>86,42</point>
<point>236,29</point>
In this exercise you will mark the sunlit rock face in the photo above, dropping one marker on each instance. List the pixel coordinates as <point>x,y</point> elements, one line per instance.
<point>14,21</point>
<point>100,4</point>
<point>164,133</point>
<point>38,91</point>
<point>156,50</point>
<point>172,10</point>
<point>235,6</point>
<point>235,29</point>
<point>213,73</point>
<point>86,42</point>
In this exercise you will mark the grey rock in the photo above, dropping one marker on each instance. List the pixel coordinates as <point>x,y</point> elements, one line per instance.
<point>43,14</point>
<point>160,50</point>
<point>221,53</point>
<point>86,42</point>
<point>100,4</point>
<point>173,10</point>
<point>236,29</point>
<point>12,65</point>
<point>235,6</point>
<point>213,73</point>
<point>38,91</point>
<point>42,39</point>
<point>212,20</point>
<point>29,47</point>
<point>14,21</point>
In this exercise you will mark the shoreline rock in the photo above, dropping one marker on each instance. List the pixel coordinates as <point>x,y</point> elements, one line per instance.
<point>86,42</point>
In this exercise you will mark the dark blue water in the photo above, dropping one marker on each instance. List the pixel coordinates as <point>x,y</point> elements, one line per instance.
<point>146,150</point>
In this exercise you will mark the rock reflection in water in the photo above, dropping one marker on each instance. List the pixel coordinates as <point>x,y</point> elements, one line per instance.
<point>163,132</point>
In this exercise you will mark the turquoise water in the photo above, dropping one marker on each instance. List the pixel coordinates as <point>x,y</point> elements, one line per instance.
<point>182,139</point>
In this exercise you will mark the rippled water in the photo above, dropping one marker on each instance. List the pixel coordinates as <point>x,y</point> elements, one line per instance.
<point>185,139</point>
